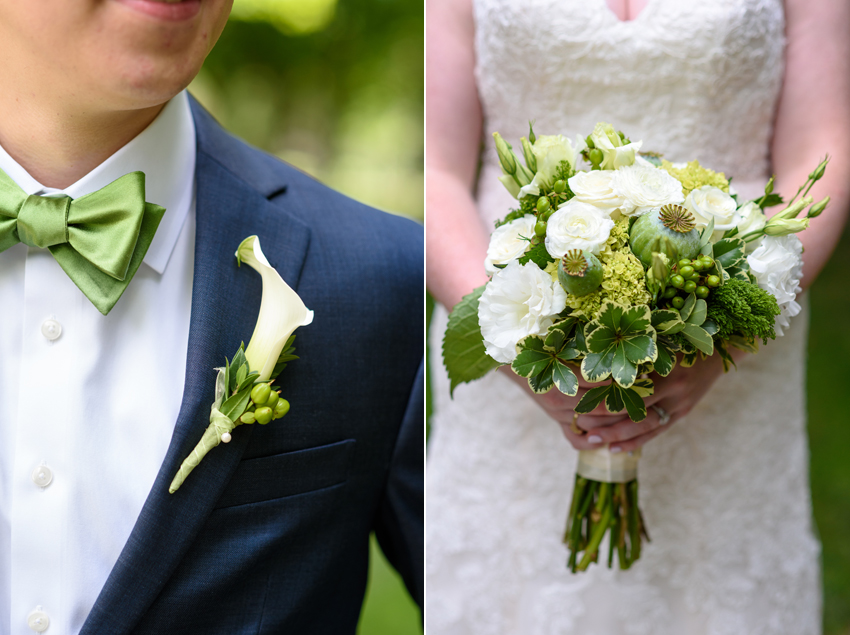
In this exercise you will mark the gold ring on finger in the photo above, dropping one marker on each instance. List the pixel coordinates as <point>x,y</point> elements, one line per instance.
<point>574,428</point>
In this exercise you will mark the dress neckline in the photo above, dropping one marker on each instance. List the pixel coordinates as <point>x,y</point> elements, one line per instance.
<point>638,18</point>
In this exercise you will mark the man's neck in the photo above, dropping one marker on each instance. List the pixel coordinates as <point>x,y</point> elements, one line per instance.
<point>59,147</point>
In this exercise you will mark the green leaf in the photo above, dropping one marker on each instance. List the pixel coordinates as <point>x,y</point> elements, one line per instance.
<point>610,315</point>
<point>249,380</point>
<point>635,321</point>
<point>689,359</point>
<point>227,390</point>
<point>690,302</point>
<point>771,200</point>
<point>565,379</point>
<point>597,366</point>
<point>463,347</point>
<point>728,360</point>
<point>241,374</point>
<point>744,344</point>
<point>601,339</point>
<point>700,311</point>
<point>710,327</point>
<point>538,255</point>
<point>699,338</point>
<point>644,388</point>
<point>640,349</point>
<point>543,381</point>
<point>234,406</point>
<point>729,251</point>
<point>560,333</point>
<point>591,399</point>
<point>614,399</point>
<point>579,342</point>
<point>567,354</point>
<point>665,362</point>
<point>633,402</point>
<point>667,321</point>
<point>532,358</point>
<point>622,370</point>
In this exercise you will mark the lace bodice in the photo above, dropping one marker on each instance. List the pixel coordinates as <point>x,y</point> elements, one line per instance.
<point>691,78</point>
<point>725,490</point>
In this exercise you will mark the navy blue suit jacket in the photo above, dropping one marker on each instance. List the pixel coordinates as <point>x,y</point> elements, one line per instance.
<point>270,534</point>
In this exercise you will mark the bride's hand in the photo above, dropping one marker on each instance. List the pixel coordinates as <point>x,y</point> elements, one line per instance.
<point>675,394</point>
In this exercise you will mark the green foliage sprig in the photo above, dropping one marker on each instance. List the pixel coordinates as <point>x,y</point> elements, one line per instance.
<point>742,309</point>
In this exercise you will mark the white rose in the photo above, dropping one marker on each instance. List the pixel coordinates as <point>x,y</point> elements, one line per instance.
<point>749,218</point>
<point>710,202</point>
<point>645,187</point>
<point>595,187</point>
<point>509,242</point>
<point>550,151</point>
<point>577,225</point>
<point>614,153</point>
<point>778,267</point>
<point>519,301</point>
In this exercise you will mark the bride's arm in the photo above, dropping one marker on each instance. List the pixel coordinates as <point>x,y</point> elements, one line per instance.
<point>813,118</point>
<point>456,237</point>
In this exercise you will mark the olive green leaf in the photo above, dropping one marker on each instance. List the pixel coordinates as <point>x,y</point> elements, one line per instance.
<point>532,358</point>
<point>618,341</point>
<point>690,302</point>
<point>565,379</point>
<point>699,338</point>
<point>545,367</point>
<point>464,354</point>
<point>705,235</point>
<point>729,251</point>
<point>697,316</point>
<point>667,321</point>
<point>592,398</point>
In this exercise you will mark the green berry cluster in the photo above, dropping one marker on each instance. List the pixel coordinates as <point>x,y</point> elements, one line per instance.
<point>265,405</point>
<point>696,276</point>
<point>546,206</point>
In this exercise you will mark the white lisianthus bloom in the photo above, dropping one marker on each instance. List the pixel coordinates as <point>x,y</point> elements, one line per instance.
<point>614,153</point>
<point>577,225</point>
<point>710,202</point>
<point>596,188</point>
<point>509,242</point>
<point>749,218</point>
<point>550,151</point>
<point>777,265</point>
<point>519,301</point>
<point>645,187</point>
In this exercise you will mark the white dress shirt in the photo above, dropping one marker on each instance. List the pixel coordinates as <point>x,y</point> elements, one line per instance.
<point>88,402</point>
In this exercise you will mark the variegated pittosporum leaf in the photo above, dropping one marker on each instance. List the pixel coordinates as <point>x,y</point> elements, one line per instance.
<point>544,360</point>
<point>618,341</point>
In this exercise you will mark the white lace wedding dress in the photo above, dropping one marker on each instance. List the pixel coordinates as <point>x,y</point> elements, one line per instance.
<point>725,491</point>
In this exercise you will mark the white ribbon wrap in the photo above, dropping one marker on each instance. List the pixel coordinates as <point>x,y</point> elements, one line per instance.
<point>603,466</point>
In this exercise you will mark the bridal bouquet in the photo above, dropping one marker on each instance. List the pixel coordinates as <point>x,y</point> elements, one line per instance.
<point>618,265</point>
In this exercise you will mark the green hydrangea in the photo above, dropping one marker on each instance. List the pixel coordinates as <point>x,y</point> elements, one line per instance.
<point>623,277</point>
<point>744,309</point>
<point>693,176</point>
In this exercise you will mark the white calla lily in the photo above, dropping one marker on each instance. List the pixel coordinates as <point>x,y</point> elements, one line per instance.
<point>281,311</point>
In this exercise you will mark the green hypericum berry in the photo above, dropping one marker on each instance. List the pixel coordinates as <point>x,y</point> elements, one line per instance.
<point>595,156</point>
<point>260,394</point>
<point>702,292</point>
<point>669,292</point>
<point>281,408</point>
<point>589,142</point>
<point>687,271</point>
<point>560,186</point>
<point>264,415</point>
<point>698,265</point>
<point>713,281</point>
<point>684,263</point>
<point>248,417</point>
<point>540,228</point>
<point>690,286</point>
<point>272,400</point>
<point>678,302</point>
<point>707,261</point>
<point>677,281</point>
<point>542,205</point>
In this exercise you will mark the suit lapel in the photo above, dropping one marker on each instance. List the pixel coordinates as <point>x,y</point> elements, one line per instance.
<point>225,302</point>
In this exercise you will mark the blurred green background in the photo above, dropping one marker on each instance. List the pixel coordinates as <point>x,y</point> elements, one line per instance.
<point>336,89</point>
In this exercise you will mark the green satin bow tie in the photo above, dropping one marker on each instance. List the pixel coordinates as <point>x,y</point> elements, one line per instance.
<point>99,239</point>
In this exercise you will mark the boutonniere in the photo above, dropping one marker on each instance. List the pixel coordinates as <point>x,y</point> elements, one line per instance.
<point>243,387</point>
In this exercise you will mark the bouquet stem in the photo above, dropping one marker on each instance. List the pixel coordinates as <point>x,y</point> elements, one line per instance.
<point>219,425</point>
<point>605,501</point>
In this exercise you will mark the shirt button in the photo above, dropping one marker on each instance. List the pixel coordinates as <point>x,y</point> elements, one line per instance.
<point>51,329</point>
<point>38,620</point>
<point>42,476</point>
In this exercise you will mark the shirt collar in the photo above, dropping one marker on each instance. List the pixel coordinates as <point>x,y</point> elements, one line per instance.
<point>165,151</point>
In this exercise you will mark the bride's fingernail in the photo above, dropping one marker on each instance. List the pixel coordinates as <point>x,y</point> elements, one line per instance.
<point>594,439</point>
<point>615,450</point>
